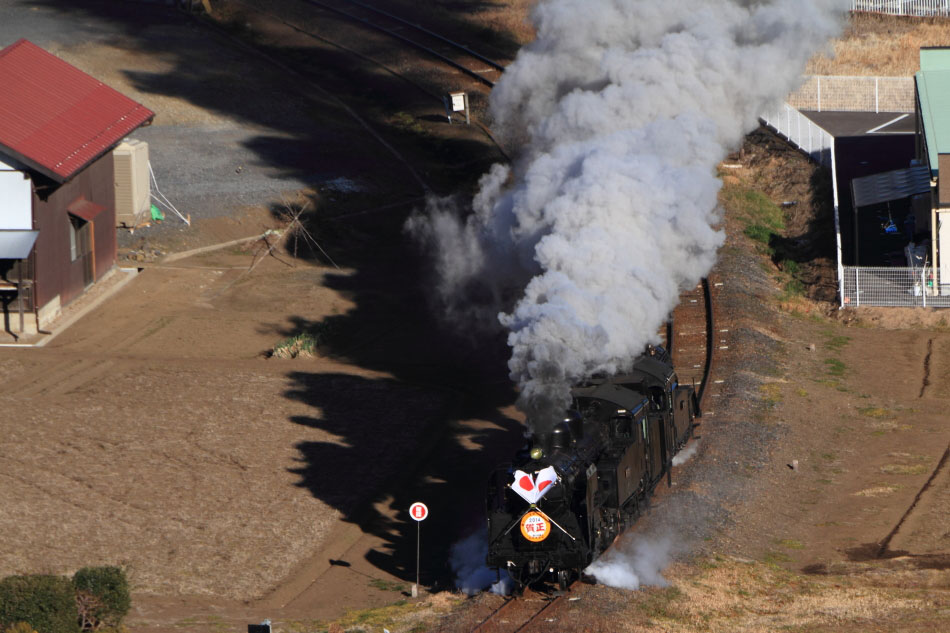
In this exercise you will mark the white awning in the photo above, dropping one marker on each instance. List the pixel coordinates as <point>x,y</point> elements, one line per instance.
<point>17,244</point>
<point>890,185</point>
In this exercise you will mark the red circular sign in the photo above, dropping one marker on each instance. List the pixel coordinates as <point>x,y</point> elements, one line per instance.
<point>535,527</point>
<point>418,511</point>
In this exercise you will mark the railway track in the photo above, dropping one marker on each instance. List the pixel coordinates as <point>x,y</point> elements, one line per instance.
<point>693,338</point>
<point>519,613</point>
<point>454,54</point>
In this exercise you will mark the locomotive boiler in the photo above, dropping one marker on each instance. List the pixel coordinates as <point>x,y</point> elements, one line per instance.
<point>571,491</point>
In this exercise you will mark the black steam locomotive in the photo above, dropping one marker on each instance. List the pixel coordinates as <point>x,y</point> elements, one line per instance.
<point>572,491</point>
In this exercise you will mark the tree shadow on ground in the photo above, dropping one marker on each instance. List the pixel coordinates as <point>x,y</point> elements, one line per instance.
<point>434,423</point>
<point>402,417</point>
<point>455,17</point>
<point>399,442</point>
<point>306,131</point>
<point>873,552</point>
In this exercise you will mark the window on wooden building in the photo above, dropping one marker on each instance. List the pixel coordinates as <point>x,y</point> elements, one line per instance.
<point>80,243</point>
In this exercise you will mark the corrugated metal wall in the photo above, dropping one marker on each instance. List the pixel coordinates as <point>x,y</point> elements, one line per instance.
<point>56,274</point>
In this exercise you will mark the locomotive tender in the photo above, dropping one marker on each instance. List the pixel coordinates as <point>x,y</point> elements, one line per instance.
<point>568,495</point>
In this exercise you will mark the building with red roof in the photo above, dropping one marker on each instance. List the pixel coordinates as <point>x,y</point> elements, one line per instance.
<point>58,128</point>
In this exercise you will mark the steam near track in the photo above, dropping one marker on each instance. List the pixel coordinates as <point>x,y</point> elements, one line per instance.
<point>621,111</point>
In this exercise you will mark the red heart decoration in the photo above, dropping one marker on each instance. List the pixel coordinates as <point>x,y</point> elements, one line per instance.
<point>526,483</point>
<point>544,484</point>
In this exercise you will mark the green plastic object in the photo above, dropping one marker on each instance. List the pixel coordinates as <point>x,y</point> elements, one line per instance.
<point>157,215</point>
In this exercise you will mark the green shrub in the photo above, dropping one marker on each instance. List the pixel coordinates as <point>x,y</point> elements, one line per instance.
<point>759,233</point>
<point>791,267</point>
<point>762,219</point>
<point>47,603</point>
<point>835,367</point>
<point>110,588</point>
<point>794,288</point>
<point>306,344</point>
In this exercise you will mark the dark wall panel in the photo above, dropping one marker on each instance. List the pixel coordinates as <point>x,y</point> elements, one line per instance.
<point>56,274</point>
<point>943,184</point>
<point>858,156</point>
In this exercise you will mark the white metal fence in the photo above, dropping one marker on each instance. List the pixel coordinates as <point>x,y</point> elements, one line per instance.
<point>854,94</point>
<point>801,132</point>
<point>919,8</point>
<point>892,287</point>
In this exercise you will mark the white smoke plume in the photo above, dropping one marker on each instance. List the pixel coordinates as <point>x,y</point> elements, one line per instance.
<point>686,454</point>
<point>642,565</point>
<point>467,560</point>
<point>620,111</point>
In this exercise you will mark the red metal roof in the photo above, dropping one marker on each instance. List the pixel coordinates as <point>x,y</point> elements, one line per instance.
<point>56,118</point>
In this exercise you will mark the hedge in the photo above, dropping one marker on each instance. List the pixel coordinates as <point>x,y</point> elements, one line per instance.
<point>110,587</point>
<point>47,603</point>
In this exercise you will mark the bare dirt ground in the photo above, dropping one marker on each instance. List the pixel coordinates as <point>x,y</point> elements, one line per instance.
<point>155,433</point>
<point>126,438</point>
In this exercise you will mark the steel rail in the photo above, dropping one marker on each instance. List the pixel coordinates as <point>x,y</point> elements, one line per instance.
<point>488,624</point>
<point>403,38</point>
<point>325,40</point>
<point>710,342</point>
<point>478,627</point>
<point>538,613</point>
<point>254,50</point>
<point>421,28</point>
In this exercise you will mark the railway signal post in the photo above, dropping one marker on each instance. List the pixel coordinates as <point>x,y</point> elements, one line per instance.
<point>418,511</point>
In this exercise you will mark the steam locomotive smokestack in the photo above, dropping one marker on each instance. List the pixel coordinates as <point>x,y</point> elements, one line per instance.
<point>621,110</point>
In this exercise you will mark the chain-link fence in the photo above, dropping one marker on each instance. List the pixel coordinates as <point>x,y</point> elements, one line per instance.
<point>893,287</point>
<point>854,94</point>
<point>801,132</point>
<point>920,8</point>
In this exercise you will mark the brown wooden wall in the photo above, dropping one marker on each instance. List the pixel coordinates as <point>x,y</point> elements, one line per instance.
<point>943,183</point>
<point>56,274</point>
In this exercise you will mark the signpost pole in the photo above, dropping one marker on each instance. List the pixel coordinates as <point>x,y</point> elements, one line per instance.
<point>418,513</point>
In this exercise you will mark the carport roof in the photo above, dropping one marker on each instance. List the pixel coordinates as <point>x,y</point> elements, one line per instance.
<point>55,118</point>
<point>933,93</point>
<point>890,185</point>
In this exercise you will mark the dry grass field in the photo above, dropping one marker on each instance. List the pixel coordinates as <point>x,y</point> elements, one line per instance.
<point>881,45</point>
<point>154,435</point>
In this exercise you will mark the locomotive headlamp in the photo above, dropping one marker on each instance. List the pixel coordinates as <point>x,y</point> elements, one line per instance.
<point>537,453</point>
